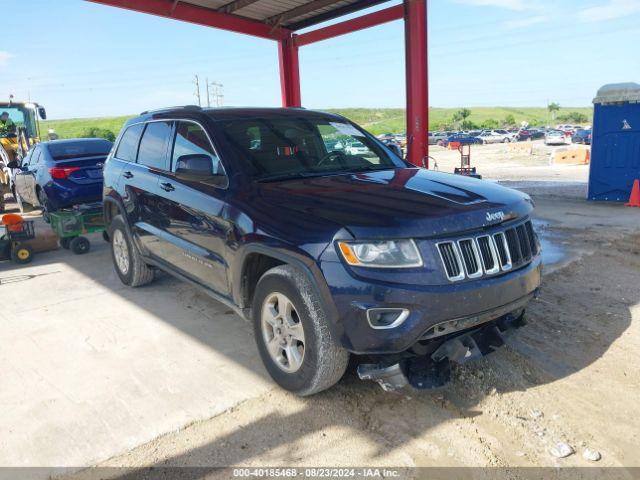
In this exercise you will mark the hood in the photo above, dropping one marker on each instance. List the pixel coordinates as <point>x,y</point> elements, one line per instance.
<point>398,203</point>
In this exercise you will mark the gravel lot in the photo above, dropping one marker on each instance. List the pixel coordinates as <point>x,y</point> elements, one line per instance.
<point>568,377</point>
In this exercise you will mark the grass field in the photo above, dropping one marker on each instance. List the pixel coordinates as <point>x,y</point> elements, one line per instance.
<point>376,120</point>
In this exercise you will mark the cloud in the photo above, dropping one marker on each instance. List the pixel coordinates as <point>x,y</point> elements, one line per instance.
<point>610,10</point>
<point>4,58</point>
<point>517,5</point>
<point>519,23</point>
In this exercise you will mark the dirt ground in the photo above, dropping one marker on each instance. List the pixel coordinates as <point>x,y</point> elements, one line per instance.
<point>571,375</point>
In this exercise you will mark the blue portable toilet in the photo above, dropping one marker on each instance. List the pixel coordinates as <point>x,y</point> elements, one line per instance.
<point>615,149</point>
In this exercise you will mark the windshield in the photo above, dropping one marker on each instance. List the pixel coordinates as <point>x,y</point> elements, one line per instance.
<point>12,118</point>
<point>278,148</point>
<point>69,150</point>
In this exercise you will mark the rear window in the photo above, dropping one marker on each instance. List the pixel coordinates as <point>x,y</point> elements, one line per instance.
<point>153,146</point>
<point>69,150</point>
<point>128,147</point>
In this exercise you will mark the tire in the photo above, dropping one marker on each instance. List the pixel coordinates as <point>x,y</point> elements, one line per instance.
<point>137,273</point>
<point>80,245</point>
<point>21,254</point>
<point>65,242</point>
<point>45,205</point>
<point>321,362</point>
<point>506,140</point>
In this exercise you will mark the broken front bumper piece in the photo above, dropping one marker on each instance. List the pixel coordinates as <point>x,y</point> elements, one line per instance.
<point>434,370</point>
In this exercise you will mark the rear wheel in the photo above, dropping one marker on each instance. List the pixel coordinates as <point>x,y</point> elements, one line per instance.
<point>128,262</point>
<point>45,205</point>
<point>293,334</point>
<point>21,254</point>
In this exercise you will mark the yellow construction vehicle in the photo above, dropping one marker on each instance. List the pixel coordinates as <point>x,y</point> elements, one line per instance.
<point>19,131</point>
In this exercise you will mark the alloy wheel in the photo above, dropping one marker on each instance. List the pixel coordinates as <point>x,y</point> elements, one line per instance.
<point>283,333</point>
<point>120,251</point>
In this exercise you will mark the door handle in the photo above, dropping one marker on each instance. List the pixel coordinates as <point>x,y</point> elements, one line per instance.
<point>167,187</point>
<point>127,175</point>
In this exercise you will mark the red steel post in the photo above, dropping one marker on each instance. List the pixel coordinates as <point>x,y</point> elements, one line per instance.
<point>417,79</point>
<point>289,72</point>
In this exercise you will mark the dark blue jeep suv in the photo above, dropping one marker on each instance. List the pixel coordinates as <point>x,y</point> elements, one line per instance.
<point>328,250</point>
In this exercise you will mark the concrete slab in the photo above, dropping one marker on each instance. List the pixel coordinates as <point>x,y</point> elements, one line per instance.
<point>90,368</point>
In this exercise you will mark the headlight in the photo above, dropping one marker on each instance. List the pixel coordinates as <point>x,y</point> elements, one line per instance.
<point>385,254</point>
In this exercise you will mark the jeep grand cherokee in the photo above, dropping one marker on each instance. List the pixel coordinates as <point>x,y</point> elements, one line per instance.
<point>330,252</point>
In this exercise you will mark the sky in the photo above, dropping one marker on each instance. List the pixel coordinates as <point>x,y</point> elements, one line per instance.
<point>81,59</point>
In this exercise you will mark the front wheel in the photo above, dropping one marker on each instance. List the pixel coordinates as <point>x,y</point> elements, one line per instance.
<point>128,262</point>
<point>293,335</point>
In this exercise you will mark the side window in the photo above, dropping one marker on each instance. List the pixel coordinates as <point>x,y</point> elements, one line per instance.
<point>128,147</point>
<point>191,139</point>
<point>153,146</point>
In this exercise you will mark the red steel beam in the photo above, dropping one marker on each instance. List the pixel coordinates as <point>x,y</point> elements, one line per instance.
<point>359,23</point>
<point>417,82</point>
<point>201,16</point>
<point>289,72</point>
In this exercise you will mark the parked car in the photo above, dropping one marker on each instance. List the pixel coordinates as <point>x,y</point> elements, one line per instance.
<point>536,133</point>
<point>495,136</point>
<point>438,138</point>
<point>356,147</point>
<point>463,139</point>
<point>61,173</point>
<point>555,137</point>
<point>329,254</point>
<point>523,135</point>
<point>568,129</point>
<point>582,136</point>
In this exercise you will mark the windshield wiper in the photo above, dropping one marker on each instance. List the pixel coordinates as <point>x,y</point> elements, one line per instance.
<point>368,168</point>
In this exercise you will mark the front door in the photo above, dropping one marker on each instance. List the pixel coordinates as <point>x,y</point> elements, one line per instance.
<point>195,214</point>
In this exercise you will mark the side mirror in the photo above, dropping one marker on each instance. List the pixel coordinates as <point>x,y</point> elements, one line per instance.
<point>395,149</point>
<point>42,112</point>
<point>195,168</point>
<point>13,164</point>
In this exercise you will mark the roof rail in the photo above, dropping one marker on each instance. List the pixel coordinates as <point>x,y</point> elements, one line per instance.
<point>184,107</point>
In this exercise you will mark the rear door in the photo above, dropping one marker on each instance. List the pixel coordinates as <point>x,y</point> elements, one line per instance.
<point>195,213</point>
<point>142,179</point>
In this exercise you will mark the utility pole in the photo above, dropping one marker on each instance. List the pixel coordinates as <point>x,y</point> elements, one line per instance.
<point>197,92</point>
<point>208,95</point>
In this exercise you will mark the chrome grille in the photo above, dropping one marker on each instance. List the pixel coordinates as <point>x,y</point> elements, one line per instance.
<point>489,254</point>
<point>451,261</point>
<point>470,257</point>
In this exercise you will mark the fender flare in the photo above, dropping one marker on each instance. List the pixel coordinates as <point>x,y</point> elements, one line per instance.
<point>311,271</point>
<point>110,200</point>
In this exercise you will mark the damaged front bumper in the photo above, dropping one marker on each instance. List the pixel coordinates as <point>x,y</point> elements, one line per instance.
<point>433,369</point>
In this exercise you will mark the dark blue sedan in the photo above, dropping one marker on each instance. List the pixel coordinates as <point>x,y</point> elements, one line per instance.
<point>61,173</point>
<point>463,139</point>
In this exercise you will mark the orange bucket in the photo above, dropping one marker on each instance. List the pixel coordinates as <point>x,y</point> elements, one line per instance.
<point>13,222</point>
